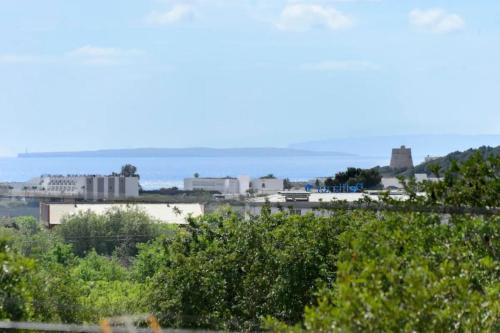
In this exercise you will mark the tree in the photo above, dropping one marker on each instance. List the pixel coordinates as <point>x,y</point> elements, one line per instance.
<point>444,163</point>
<point>472,183</point>
<point>27,225</point>
<point>94,267</point>
<point>196,175</point>
<point>129,170</point>
<point>56,293</point>
<point>412,273</point>
<point>242,269</point>
<point>115,231</point>
<point>287,184</point>
<point>368,177</point>
<point>329,182</point>
<point>15,298</point>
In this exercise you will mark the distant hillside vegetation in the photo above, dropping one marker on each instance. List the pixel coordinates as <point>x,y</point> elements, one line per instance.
<point>445,162</point>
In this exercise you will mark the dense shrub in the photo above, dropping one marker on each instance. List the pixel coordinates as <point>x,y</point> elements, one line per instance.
<point>116,231</point>
<point>15,298</point>
<point>227,272</point>
<point>43,280</point>
<point>413,274</point>
<point>474,183</point>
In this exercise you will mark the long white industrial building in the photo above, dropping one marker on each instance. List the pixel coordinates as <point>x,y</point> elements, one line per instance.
<point>52,214</point>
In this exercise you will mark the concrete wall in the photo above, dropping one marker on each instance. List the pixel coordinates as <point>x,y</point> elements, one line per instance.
<point>244,184</point>
<point>267,185</point>
<point>131,187</point>
<point>54,213</point>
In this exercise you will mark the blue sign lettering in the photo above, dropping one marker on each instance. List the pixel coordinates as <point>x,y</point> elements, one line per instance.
<point>341,188</point>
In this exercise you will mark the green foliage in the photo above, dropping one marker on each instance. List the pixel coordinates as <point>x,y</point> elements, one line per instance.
<point>225,272</point>
<point>287,184</point>
<point>129,170</point>
<point>15,298</point>
<point>436,167</point>
<point>116,231</point>
<point>369,177</point>
<point>413,274</point>
<point>473,183</point>
<point>104,299</point>
<point>27,225</point>
<point>442,164</point>
<point>106,289</point>
<point>150,258</point>
<point>56,286</point>
<point>56,294</point>
<point>329,182</point>
<point>94,267</point>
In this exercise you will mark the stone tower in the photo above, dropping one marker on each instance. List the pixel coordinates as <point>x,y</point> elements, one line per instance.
<point>401,158</point>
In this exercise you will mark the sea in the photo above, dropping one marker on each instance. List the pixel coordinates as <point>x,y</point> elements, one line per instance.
<point>167,172</point>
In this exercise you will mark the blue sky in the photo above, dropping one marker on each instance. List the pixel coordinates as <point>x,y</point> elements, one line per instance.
<point>225,73</point>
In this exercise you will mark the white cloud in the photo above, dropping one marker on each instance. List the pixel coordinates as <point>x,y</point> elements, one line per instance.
<point>178,13</point>
<point>436,20</point>
<point>345,65</point>
<point>303,17</point>
<point>93,55</point>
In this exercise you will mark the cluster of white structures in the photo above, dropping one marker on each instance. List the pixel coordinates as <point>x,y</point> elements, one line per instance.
<point>295,202</point>
<point>112,189</point>
<point>87,187</point>
<point>232,186</point>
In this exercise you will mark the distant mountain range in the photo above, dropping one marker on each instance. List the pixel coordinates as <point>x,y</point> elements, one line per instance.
<point>421,145</point>
<point>187,152</point>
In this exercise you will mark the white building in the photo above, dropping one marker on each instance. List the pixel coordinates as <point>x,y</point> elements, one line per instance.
<point>227,185</point>
<point>234,186</point>
<point>52,214</point>
<point>394,183</point>
<point>266,185</point>
<point>311,202</point>
<point>88,187</point>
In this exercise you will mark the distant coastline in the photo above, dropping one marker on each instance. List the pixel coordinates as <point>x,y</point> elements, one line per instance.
<point>187,152</point>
